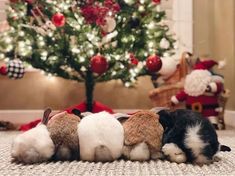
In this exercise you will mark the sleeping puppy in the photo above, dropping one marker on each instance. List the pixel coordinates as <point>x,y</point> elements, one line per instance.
<point>188,137</point>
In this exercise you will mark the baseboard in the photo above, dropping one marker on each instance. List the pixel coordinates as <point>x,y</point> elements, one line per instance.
<point>25,116</point>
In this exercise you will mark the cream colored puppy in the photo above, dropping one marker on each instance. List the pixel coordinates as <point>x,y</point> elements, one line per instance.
<point>101,137</point>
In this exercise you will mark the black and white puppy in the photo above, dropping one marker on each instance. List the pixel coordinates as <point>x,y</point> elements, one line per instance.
<point>189,137</point>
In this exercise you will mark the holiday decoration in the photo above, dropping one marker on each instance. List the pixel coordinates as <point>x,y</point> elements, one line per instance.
<point>58,19</point>
<point>109,25</point>
<point>157,1</point>
<point>97,13</point>
<point>14,69</point>
<point>202,90</point>
<point>3,70</point>
<point>88,41</point>
<point>169,66</point>
<point>99,64</point>
<point>154,63</point>
<point>164,43</point>
<point>133,59</point>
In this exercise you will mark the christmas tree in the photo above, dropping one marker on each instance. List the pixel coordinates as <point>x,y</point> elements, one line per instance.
<point>88,40</point>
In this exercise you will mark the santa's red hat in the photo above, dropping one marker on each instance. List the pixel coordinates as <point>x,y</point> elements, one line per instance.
<point>208,64</point>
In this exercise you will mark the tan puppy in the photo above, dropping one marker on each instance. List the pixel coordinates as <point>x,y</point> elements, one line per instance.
<point>142,136</point>
<point>63,132</point>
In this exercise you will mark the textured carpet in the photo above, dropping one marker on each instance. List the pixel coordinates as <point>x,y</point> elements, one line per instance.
<point>226,166</point>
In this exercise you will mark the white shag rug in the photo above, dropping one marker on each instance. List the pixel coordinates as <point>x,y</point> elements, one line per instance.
<point>226,166</point>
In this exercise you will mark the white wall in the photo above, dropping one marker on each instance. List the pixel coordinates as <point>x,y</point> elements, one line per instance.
<point>182,16</point>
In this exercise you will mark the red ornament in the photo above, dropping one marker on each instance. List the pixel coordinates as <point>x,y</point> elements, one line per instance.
<point>58,19</point>
<point>3,70</point>
<point>153,63</point>
<point>157,1</point>
<point>133,59</point>
<point>95,13</point>
<point>99,64</point>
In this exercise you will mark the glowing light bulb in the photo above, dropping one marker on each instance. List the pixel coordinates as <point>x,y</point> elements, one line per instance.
<point>151,44</point>
<point>82,59</point>
<point>44,53</point>
<point>42,72</point>
<point>8,40</point>
<point>151,25</point>
<point>127,84</point>
<point>21,44</point>
<point>83,69</point>
<point>2,56</point>
<point>122,66</point>
<point>21,33</point>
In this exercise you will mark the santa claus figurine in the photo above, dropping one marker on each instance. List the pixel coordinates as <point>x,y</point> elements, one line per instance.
<point>201,91</point>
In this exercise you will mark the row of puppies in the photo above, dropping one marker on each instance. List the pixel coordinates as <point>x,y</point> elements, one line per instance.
<point>106,137</point>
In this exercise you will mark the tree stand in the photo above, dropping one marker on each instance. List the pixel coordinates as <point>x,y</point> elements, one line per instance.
<point>89,84</point>
<point>90,105</point>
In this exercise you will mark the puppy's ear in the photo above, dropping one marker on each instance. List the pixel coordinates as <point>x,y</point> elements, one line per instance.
<point>165,118</point>
<point>77,113</point>
<point>46,115</point>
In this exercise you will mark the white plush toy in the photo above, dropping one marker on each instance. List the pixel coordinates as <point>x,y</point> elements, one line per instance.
<point>101,137</point>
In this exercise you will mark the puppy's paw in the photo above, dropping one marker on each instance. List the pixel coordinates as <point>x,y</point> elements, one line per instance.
<point>216,158</point>
<point>140,152</point>
<point>174,153</point>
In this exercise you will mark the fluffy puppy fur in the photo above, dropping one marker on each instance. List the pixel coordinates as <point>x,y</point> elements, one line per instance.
<point>143,136</point>
<point>188,137</point>
<point>33,146</point>
<point>63,132</point>
<point>101,137</point>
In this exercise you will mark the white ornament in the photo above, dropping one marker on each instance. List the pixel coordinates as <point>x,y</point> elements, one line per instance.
<point>129,2</point>
<point>164,43</point>
<point>110,24</point>
<point>169,66</point>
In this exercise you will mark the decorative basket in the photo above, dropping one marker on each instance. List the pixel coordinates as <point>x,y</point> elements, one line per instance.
<point>161,96</point>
